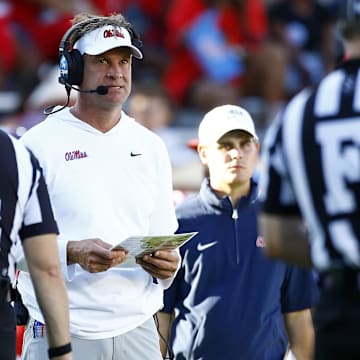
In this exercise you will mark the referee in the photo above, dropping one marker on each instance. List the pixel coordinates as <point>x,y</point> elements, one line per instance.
<point>311,168</point>
<point>26,215</point>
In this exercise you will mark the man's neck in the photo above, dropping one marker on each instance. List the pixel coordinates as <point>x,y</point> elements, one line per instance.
<point>102,120</point>
<point>234,192</point>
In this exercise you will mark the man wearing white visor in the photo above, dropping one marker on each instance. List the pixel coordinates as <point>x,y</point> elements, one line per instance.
<point>109,178</point>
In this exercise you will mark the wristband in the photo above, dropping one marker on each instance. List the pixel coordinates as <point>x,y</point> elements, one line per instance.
<point>59,350</point>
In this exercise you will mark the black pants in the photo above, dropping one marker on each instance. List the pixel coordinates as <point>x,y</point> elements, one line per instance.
<point>337,323</point>
<point>7,332</point>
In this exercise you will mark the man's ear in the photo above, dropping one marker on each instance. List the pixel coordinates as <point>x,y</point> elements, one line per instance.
<point>202,151</point>
<point>257,144</point>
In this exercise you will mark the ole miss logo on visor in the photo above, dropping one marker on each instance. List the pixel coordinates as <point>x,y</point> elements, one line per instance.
<point>109,33</point>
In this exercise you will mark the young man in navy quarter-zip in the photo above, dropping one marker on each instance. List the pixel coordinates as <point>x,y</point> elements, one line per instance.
<point>229,300</point>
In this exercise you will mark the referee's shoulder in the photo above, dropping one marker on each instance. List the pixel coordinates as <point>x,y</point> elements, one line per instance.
<point>12,151</point>
<point>8,143</point>
<point>298,102</point>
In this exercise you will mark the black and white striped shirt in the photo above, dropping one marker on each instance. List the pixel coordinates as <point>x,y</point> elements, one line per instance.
<point>311,164</point>
<point>25,208</point>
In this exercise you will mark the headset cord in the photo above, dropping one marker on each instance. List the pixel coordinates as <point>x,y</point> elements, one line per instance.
<point>170,354</point>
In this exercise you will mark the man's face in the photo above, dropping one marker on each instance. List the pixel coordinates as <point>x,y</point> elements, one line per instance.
<point>232,160</point>
<point>111,69</point>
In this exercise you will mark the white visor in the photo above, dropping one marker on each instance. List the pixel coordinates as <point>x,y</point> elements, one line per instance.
<point>106,38</point>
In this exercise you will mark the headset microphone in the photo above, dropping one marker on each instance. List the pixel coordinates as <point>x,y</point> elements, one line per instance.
<point>101,90</point>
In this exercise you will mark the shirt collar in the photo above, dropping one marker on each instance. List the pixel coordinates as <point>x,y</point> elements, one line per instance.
<point>210,198</point>
<point>74,121</point>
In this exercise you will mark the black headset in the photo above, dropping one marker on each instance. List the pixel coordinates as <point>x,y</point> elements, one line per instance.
<point>71,62</point>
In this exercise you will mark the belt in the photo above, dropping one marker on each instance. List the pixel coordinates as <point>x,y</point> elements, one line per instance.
<point>343,279</point>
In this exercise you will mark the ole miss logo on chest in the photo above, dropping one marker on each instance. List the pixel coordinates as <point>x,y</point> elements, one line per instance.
<point>75,155</point>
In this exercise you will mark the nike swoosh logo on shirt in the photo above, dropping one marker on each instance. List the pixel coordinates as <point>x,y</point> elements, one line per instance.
<point>135,154</point>
<point>202,247</point>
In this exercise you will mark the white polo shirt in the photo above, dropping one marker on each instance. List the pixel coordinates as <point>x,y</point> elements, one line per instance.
<point>108,186</point>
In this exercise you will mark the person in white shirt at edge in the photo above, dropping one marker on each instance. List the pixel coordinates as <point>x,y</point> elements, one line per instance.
<point>108,178</point>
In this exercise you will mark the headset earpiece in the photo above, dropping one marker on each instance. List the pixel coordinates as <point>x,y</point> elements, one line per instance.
<point>71,67</point>
<point>71,62</point>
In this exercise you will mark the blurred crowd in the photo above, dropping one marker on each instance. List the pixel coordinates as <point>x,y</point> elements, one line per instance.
<point>198,54</point>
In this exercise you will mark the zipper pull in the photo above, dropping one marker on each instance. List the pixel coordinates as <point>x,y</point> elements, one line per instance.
<point>235,214</point>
